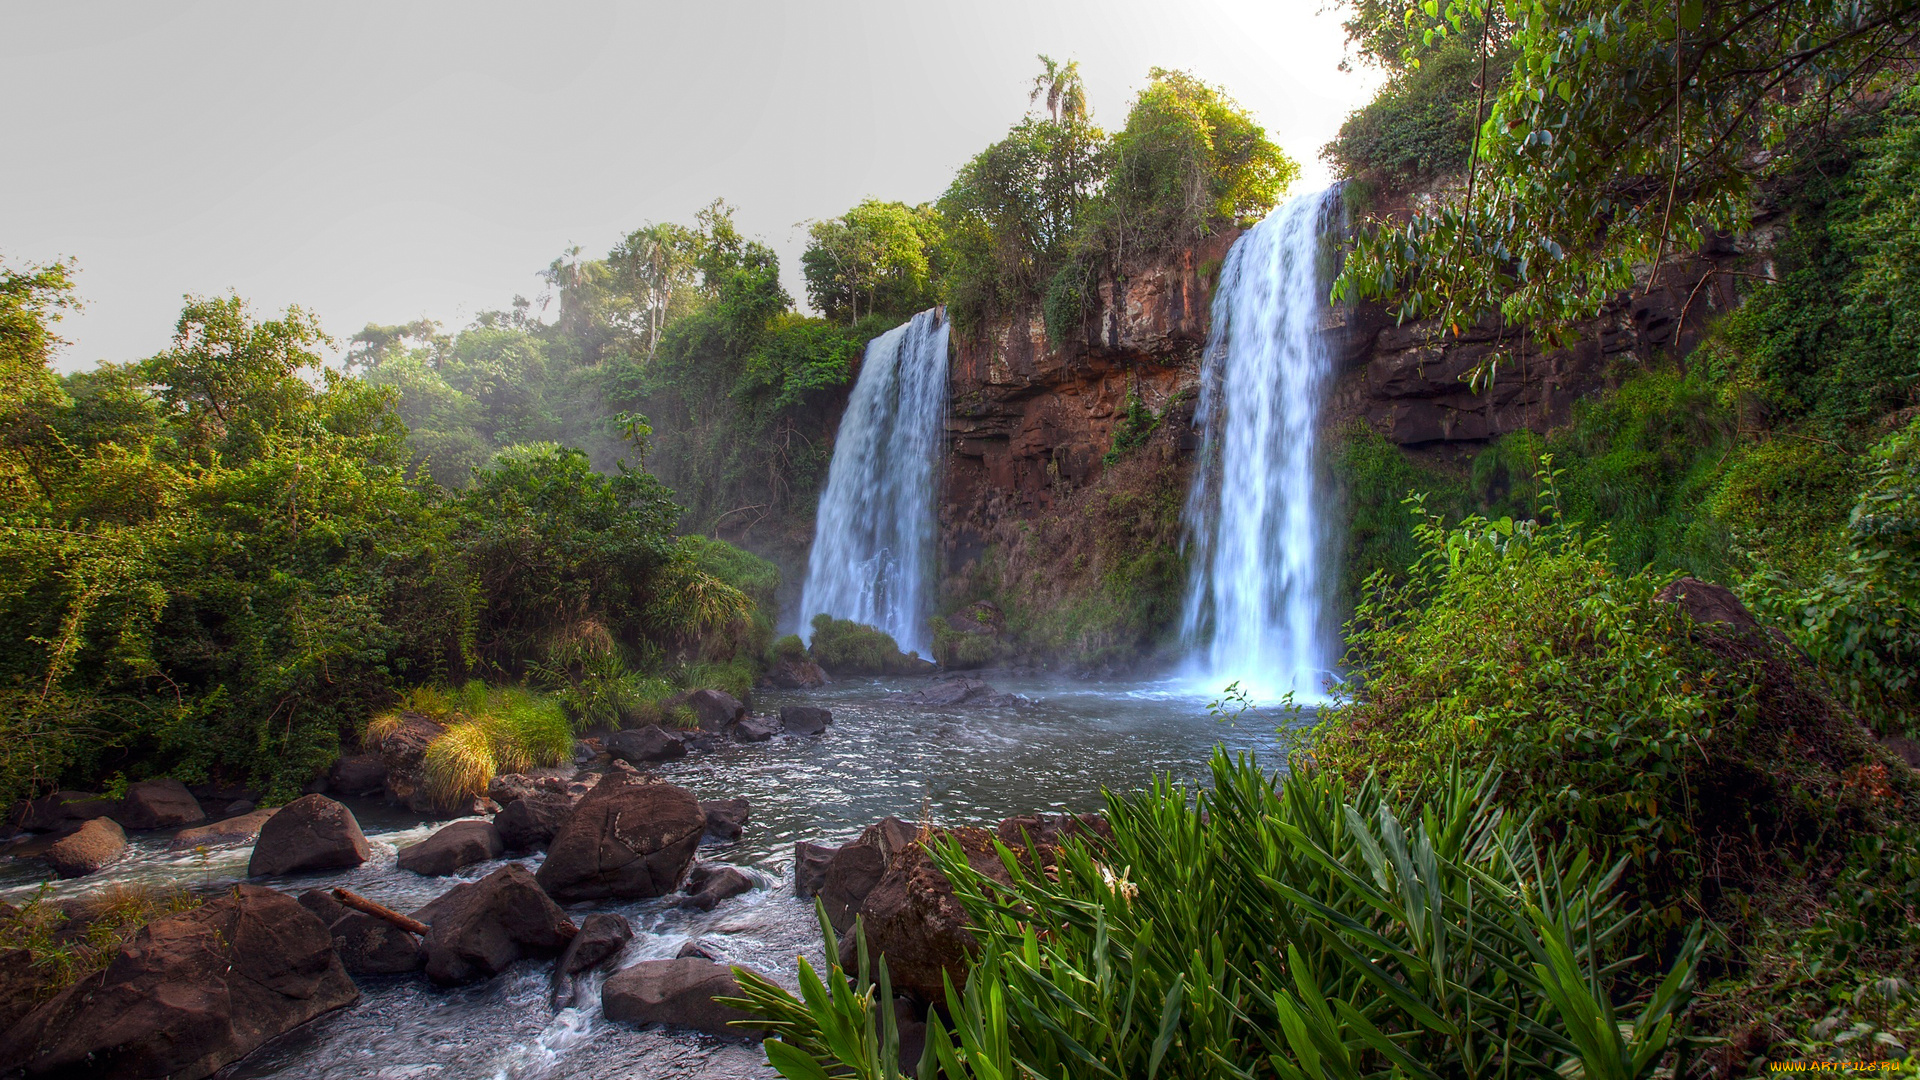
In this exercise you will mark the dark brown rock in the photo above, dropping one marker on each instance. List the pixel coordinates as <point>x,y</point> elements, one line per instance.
<point>602,935</point>
<point>62,811</point>
<point>857,867</point>
<point>756,729</point>
<point>159,804</point>
<point>1907,750</point>
<point>804,719</point>
<point>1706,603</point>
<point>810,862</point>
<point>913,919</point>
<point>189,994</point>
<point>404,752</point>
<point>676,992</point>
<point>480,927</point>
<point>529,823</point>
<point>358,775</point>
<point>726,818</point>
<point>310,833</point>
<point>717,709</point>
<point>708,885</point>
<point>366,944</point>
<point>626,839</point>
<point>643,744</point>
<point>21,986</point>
<point>87,849</point>
<point>958,690</point>
<point>797,673</point>
<point>234,830</point>
<point>451,847</point>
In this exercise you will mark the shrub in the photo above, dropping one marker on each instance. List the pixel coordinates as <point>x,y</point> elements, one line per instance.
<point>788,647</point>
<point>844,647</point>
<point>736,677</point>
<point>491,731</point>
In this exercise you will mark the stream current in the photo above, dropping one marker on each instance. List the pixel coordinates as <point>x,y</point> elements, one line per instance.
<point>959,766</point>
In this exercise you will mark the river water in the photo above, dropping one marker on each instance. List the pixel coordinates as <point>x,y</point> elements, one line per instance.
<point>950,766</point>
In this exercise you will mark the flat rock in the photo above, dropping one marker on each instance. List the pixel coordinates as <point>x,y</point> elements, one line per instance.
<point>644,744</point>
<point>726,818</point>
<point>479,927</point>
<point>451,847</point>
<point>234,830</point>
<point>810,862</point>
<point>191,993</point>
<point>963,690</point>
<point>677,992</point>
<point>366,944</point>
<point>602,935</point>
<point>707,885</point>
<point>627,839</point>
<point>805,719</point>
<point>358,775</point>
<point>756,729</point>
<point>529,823</point>
<point>87,849</point>
<point>159,804</point>
<point>310,833</point>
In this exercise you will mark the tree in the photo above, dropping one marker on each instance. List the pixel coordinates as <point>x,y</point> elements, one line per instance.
<point>1060,84</point>
<point>231,378</point>
<point>1625,133</point>
<point>877,252</point>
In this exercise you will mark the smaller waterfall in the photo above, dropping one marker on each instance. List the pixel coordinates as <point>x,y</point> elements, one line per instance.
<point>1256,606</point>
<point>873,535</point>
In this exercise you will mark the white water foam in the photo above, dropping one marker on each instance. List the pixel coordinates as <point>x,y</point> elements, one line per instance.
<point>873,537</point>
<point>1257,610</point>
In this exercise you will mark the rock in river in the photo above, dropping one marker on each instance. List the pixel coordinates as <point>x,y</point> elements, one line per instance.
<point>310,833</point>
<point>159,804</point>
<point>87,848</point>
<point>189,994</point>
<point>708,884</point>
<point>678,992</point>
<point>644,744</point>
<point>366,944</point>
<point>726,818</point>
<point>478,928</point>
<point>628,838</point>
<point>805,719</point>
<point>529,823</point>
<point>602,935</point>
<point>462,843</point>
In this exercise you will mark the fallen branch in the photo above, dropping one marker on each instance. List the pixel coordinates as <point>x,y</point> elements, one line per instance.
<point>379,911</point>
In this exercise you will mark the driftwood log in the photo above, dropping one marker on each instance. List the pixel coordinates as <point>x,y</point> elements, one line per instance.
<point>380,911</point>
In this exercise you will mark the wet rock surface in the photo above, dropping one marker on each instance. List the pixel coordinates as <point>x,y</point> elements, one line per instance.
<point>959,690</point>
<point>358,775</point>
<point>87,849</point>
<point>726,818</point>
<point>677,992</point>
<point>756,729</point>
<point>643,744</point>
<point>478,928</point>
<point>189,994</point>
<point>628,839</point>
<point>366,944</point>
<point>708,884</point>
<point>796,673</point>
<point>602,935</point>
<point>717,709</point>
<point>310,833</point>
<point>805,719</point>
<point>462,843</point>
<point>159,804</point>
<point>529,824</point>
<point>60,811</point>
<point>240,829</point>
<point>810,863</point>
<point>857,867</point>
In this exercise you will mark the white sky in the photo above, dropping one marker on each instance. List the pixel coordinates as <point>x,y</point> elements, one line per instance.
<point>379,162</point>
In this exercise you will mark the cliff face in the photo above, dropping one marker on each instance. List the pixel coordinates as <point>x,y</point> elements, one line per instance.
<point>1029,421</point>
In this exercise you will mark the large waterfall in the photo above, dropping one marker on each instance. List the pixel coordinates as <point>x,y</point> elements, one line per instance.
<point>873,537</point>
<point>1257,607</point>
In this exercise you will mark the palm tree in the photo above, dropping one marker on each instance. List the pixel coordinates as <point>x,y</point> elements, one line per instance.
<point>1060,84</point>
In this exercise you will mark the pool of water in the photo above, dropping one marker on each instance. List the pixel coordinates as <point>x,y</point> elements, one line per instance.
<point>1053,752</point>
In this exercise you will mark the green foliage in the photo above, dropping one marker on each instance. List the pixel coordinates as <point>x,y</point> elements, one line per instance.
<point>733,676</point>
<point>1623,133</point>
<point>844,647</point>
<point>70,942</point>
<point>1421,124</point>
<point>1285,923</point>
<point>1137,425</point>
<point>877,257</point>
<point>1861,619</point>
<point>1373,477</point>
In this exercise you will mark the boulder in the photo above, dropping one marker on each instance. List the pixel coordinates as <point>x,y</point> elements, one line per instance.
<point>644,744</point>
<point>87,848</point>
<point>509,788</point>
<point>602,935</point>
<point>959,690</point>
<point>913,919</point>
<point>61,811</point>
<point>462,843</point>
<point>477,928</point>
<point>366,944</point>
<point>857,867</point>
<point>696,949</point>
<point>717,709</point>
<point>1047,830</point>
<point>707,885</point>
<point>726,818</point>
<point>159,804</point>
<point>191,993</point>
<point>797,673</point>
<point>238,808</point>
<point>628,839</point>
<point>310,833</point>
<point>1706,603</point>
<point>358,776</point>
<point>805,719</point>
<point>404,751</point>
<point>233,830</point>
<point>810,862</point>
<point>756,729</point>
<point>529,823</point>
<point>677,992</point>
<point>21,984</point>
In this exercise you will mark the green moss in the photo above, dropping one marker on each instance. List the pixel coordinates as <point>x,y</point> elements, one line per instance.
<point>843,647</point>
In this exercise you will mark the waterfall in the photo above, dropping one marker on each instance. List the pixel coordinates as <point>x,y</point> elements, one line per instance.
<point>873,536</point>
<point>1256,608</point>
